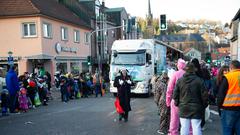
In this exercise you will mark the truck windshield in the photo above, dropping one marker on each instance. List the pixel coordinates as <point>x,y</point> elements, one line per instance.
<point>129,58</point>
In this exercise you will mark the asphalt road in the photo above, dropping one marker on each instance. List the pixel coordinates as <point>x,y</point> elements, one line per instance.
<point>90,116</point>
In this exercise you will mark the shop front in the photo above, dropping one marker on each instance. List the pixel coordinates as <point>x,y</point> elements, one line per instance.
<point>68,64</point>
<point>36,62</point>
<point>53,64</point>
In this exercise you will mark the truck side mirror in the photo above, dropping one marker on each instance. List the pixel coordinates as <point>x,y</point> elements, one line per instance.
<point>114,54</point>
<point>149,60</point>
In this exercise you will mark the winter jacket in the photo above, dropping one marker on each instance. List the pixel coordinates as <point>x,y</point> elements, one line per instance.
<point>12,82</point>
<point>160,92</point>
<point>191,96</point>
<point>124,92</point>
<point>223,89</point>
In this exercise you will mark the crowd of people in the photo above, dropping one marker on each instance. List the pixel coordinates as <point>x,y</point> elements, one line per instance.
<point>81,85</point>
<point>183,97</point>
<point>27,91</point>
<point>183,94</point>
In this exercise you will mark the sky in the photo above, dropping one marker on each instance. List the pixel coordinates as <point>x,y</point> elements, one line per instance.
<point>217,10</point>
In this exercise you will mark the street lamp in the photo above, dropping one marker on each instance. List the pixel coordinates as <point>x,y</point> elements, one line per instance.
<point>10,58</point>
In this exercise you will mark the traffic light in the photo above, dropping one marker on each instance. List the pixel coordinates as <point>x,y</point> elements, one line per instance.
<point>89,60</point>
<point>163,22</point>
<point>208,58</point>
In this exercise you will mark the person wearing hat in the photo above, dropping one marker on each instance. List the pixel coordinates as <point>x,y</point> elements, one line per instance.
<point>123,84</point>
<point>190,95</point>
<point>12,87</point>
<point>174,119</point>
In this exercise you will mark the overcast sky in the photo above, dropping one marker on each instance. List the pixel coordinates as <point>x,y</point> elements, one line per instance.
<point>218,10</point>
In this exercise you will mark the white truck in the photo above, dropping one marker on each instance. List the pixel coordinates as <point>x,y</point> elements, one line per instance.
<point>142,58</point>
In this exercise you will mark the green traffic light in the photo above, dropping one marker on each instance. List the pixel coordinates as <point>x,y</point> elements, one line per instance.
<point>163,26</point>
<point>163,22</point>
<point>89,60</point>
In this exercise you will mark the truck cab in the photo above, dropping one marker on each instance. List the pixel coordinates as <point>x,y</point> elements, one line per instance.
<point>138,57</point>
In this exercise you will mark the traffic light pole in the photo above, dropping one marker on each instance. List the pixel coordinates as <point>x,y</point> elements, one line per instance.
<point>90,46</point>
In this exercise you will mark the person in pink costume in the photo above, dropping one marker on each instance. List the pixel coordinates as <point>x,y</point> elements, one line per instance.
<point>174,118</point>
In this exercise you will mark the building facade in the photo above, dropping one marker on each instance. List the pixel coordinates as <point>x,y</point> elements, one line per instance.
<point>108,26</point>
<point>193,53</point>
<point>39,36</point>
<point>185,41</point>
<point>235,40</point>
<point>102,21</point>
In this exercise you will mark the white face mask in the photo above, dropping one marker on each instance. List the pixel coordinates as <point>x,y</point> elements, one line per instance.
<point>124,72</point>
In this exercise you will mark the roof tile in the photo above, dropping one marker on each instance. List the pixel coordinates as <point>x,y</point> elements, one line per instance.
<point>49,8</point>
<point>180,37</point>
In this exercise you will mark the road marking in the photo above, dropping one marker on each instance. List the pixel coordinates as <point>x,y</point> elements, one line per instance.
<point>214,112</point>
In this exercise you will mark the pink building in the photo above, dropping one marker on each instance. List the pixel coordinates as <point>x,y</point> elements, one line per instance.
<point>43,33</point>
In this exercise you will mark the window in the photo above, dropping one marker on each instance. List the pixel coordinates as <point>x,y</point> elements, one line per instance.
<point>29,30</point>
<point>113,34</point>
<point>64,33</point>
<point>97,8</point>
<point>123,24</point>
<point>76,36</point>
<point>47,30</point>
<point>192,54</point>
<point>235,27</point>
<point>75,68</point>
<point>62,67</point>
<point>138,58</point>
<point>87,38</point>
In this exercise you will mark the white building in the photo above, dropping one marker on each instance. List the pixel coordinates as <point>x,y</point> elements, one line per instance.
<point>235,40</point>
<point>193,53</point>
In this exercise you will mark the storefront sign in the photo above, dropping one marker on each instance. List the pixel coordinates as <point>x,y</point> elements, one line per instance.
<point>60,48</point>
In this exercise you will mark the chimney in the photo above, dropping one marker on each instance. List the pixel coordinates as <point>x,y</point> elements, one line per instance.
<point>103,3</point>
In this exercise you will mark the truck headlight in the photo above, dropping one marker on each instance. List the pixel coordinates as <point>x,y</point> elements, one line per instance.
<point>141,86</point>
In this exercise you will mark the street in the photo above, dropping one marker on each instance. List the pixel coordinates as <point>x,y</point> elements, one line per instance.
<point>90,116</point>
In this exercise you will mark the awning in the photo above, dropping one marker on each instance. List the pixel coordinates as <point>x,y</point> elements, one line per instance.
<point>15,58</point>
<point>40,56</point>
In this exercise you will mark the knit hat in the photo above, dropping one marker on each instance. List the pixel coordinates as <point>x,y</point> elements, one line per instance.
<point>124,69</point>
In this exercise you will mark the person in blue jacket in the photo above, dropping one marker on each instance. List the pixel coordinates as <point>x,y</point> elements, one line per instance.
<point>13,87</point>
